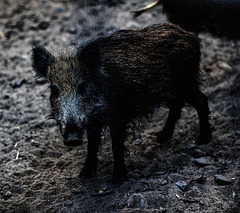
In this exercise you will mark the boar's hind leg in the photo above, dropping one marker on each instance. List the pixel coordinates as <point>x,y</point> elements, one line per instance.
<point>118,133</point>
<point>200,102</point>
<point>94,137</point>
<point>175,106</point>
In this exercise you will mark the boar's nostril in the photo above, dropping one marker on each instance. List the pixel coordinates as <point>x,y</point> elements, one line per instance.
<point>73,139</point>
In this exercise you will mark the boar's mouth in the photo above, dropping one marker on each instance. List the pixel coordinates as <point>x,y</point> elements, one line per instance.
<point>72,139</point>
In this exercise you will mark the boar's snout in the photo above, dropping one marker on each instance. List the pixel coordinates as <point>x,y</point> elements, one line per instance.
<point>72,139</point>
<point>72,134</point>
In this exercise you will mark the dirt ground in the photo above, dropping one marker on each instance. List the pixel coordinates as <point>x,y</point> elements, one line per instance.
<point>39,174</point>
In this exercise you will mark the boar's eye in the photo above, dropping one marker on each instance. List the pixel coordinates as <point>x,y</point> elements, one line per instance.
<point>54,92</point>
<point>81,89</point>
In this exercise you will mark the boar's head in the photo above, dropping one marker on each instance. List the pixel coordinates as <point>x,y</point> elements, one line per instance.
<point>76,83</point>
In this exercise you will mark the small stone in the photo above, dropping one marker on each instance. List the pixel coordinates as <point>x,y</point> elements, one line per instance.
<point>222,180</point>
<point>191,146</point>
<point>162,210</point>
<point>164,182</point>
<point>237,143</point>
<point>199,179</point>
<point>59,10</point>
<point>199,153</point>
<point>224,65</point>
<point>18,84</point>
<point>234,194</point>
<point>182,185</point>
<point>137,200</point>
<point>2,35</point>
<point>160,173</point>
<point>137,142</point>
<point>8,194</point>
<point>204,161</point>
<point>43,25</point>
<point>72,30</point>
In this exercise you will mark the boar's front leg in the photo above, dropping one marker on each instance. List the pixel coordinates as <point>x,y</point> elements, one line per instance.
<point>118,133</point>
<point>94,137</point>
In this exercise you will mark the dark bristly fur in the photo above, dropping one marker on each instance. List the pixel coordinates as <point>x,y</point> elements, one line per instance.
<point>219,17</point>
<point>120,77</point>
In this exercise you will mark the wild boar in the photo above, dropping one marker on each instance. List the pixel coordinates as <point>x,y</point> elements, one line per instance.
<point>117,78</point>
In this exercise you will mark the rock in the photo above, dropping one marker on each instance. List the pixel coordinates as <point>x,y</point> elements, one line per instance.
<point>204,161</point>
<point>2,35</point>
<point>162,210</point>
<point>18,84</point>
<point>137,200</point>
<point>199,179</point>
<point>199,153</point>
<point>237,143</point>
<point>7,195</point>
<point>137,142</point>
<point>43,25</point>
<point>182,185</point>
<point>224,66</point>
<point>59,10</point>
<point>191,146</point>
<point>160,173</point>
<point>72,30</point>
<point>222,180</point>
<point>234,194</point>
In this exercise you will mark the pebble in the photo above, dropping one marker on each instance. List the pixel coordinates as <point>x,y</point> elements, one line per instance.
<point>234,194</point>
<point>237,143</point>
<point>182,185</point>
<point>43,25</point>
<point>224,65</point>
<point>199,153</point>
<point>204,161</point>
<point>160,173</point>
<point>18,84</point>
<point>137,200</point>
<point>8,194</point>
<point>222,180</point>
<point>191,146</point>
<point>2,35</point>
<point>162,210</point>
<point>137,142</point>
<point>59,10</point>
<point>72,30</point>
<point>199,179</point>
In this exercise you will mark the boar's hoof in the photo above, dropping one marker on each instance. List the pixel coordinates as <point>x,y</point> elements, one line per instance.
<point>89,169</point>
<point>119,178</point>
<point>204,139</point>
<point>72,139</point>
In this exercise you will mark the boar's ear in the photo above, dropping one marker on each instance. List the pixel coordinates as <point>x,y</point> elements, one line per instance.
<point>41,59</point>
<point>89,55</point>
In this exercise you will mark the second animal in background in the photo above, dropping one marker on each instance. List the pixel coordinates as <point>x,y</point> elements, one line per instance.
<point>219,17</point>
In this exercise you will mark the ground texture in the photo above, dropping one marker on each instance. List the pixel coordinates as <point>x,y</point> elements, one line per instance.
<point>39,174</point>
